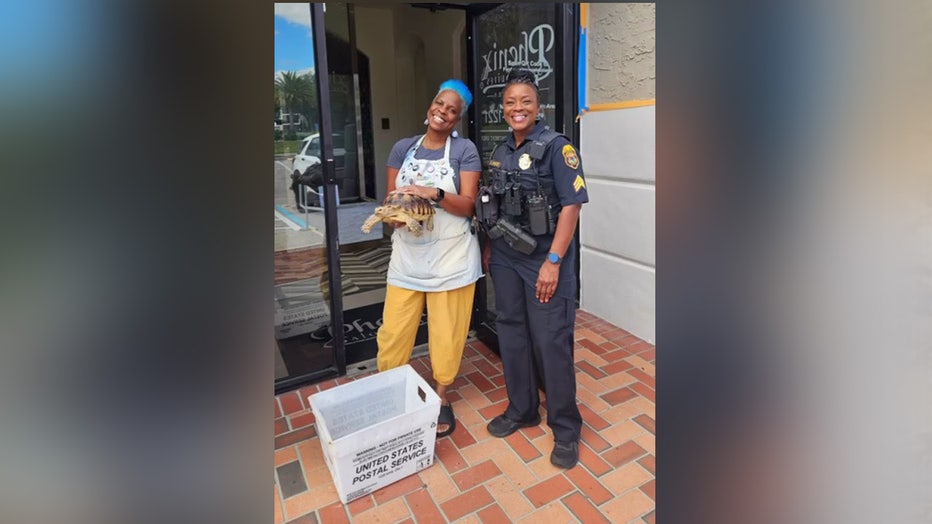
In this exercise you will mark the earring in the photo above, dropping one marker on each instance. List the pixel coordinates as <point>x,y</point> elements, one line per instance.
<point>426,121</point>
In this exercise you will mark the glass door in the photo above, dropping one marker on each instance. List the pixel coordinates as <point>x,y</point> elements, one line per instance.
<point>538,37</point>
<point>323,112</point>
<point>309,165</point>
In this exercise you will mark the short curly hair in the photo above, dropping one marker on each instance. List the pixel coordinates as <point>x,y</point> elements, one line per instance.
<point>522,76</point>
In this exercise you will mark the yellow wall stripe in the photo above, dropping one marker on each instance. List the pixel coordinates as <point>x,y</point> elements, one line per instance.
<point>616,105</point>
<point>623,105</point>
<point>584,15</point>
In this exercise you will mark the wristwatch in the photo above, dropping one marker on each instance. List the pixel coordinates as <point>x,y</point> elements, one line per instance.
<point>553,258</point>
<point>440,195</point>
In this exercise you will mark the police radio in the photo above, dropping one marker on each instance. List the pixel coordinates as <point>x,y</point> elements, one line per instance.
<point>537,214</point>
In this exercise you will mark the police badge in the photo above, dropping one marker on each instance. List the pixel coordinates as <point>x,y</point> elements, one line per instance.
<point>524,161</point>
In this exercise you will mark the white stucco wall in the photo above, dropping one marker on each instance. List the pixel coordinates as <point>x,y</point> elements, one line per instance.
<point>617,227</point>
<point>379,47</point>
<point>439,34</point>
<point>621,52</point>
<point>411,51</point>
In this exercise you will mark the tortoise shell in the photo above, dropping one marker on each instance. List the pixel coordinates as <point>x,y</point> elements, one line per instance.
<point>411,209</point>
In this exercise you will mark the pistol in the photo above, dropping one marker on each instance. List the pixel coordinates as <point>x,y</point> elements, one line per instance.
<point>514,236</point>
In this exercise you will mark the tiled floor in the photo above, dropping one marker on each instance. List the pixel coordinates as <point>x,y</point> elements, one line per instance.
<point>480,478</point>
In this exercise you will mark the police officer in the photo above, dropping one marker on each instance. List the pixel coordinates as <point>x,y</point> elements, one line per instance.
<point>535,285</point>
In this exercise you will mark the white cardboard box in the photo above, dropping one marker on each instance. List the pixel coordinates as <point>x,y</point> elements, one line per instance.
<point>376,430</point>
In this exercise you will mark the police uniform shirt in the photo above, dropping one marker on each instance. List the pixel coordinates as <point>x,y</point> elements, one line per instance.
<point>561,168</point>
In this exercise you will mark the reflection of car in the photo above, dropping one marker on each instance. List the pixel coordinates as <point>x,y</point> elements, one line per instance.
<point>309,156</point>
<point>309,153</point>
<point>297,122</point>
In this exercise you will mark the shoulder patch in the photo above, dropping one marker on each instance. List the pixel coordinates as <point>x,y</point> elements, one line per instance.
<point>570,158</point>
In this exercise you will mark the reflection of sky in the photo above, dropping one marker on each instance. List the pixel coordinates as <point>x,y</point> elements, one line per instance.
<point>294,44</point>
<point>43,42</point>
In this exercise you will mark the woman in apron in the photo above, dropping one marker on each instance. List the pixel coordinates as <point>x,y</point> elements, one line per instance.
<point>440,267</point>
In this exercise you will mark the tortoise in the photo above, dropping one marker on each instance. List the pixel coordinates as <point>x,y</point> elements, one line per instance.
<point>403,207</point>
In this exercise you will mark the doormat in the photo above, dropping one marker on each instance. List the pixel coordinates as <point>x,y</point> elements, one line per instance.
<point>313,351</point>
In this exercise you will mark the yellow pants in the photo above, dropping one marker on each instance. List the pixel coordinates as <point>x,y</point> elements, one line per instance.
<point>448,314</point>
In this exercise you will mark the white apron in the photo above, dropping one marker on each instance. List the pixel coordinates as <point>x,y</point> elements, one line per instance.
<point>443,259</point>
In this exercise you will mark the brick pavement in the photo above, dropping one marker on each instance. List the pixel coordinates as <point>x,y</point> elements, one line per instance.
<point>480,478</point>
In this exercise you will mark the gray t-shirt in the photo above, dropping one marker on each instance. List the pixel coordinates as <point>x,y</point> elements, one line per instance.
<point>463,155</point>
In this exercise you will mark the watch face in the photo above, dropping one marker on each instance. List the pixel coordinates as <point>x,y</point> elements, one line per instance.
<point>553,258</point>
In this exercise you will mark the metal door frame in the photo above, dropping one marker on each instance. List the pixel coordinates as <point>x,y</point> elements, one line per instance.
<point>322,79</point>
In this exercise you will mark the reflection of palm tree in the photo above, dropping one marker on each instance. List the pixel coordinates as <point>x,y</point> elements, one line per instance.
<point>294,92</point>
<point>278,102</point>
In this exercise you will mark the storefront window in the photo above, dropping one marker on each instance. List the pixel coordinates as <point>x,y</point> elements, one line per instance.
<point>509,36</point>
<point>513,36</point>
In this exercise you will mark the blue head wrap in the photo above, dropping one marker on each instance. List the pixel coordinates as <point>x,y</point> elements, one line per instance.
<point>460,88</point>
